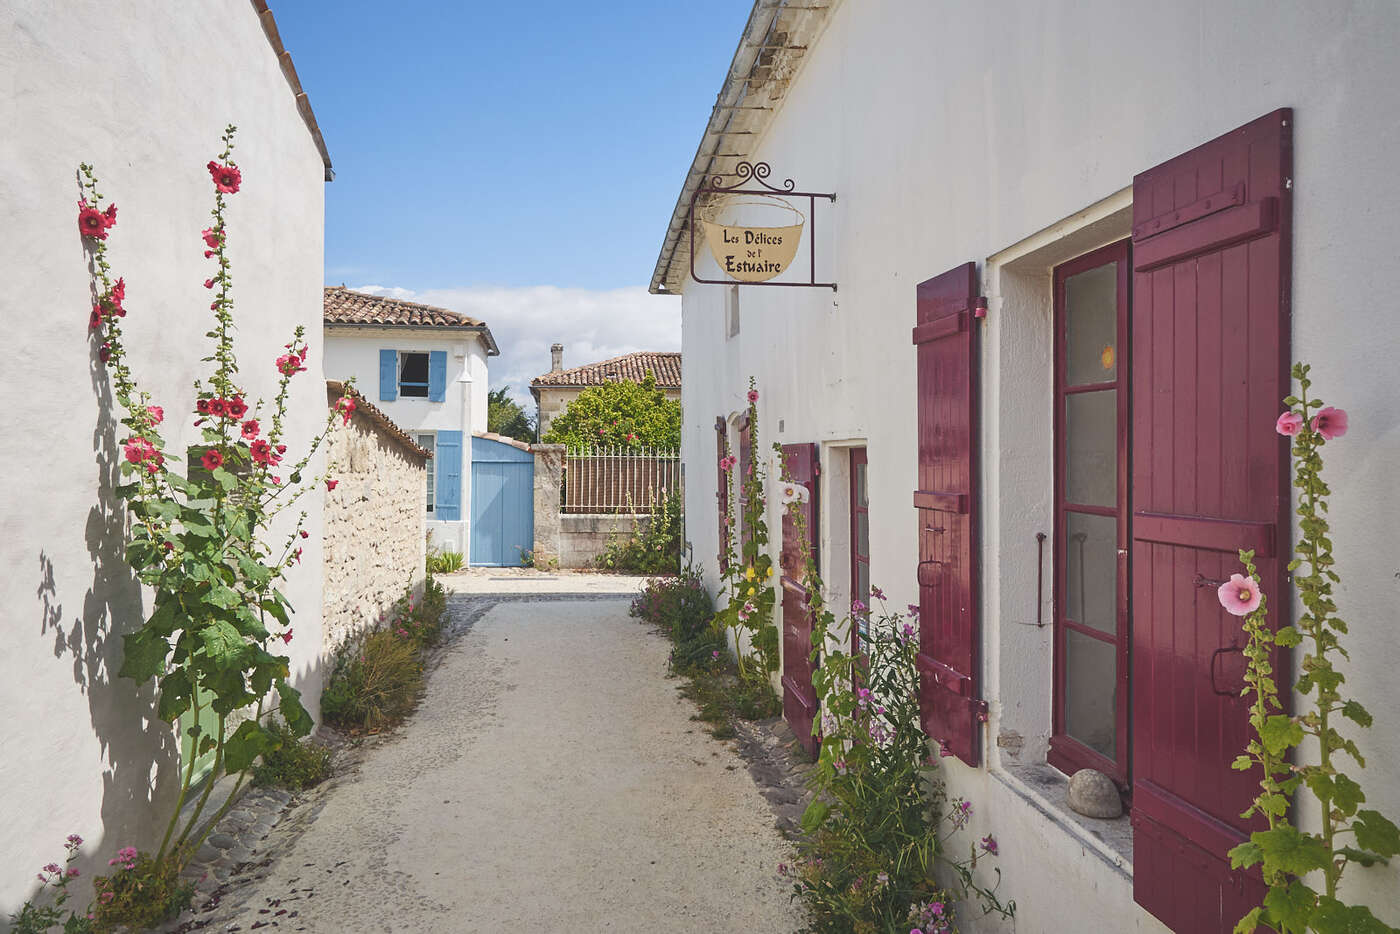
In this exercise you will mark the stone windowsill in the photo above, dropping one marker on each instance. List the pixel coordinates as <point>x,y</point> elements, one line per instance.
<point>1045,788</point>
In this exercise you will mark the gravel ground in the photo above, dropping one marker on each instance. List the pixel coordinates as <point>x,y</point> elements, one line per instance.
<point>551,781</point>
<point>533,581</point>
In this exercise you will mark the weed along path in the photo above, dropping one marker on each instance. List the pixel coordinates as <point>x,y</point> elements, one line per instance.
<point>551,780</point>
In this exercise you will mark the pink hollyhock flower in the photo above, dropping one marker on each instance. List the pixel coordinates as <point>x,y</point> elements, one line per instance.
<point>208,253</point>
<point>208,283</point>
<point>261,452</point>
<point>276,481</point>
<point>250,429</point>
<point>296,556</point>
<point>1330,423</point>
<point>290,364</point>
<point>1239,595</point>
<point>92,222</point>
<point>1289,423</point>
<point>226,178</point>
<point>235,407</point>
<point>753,395</point>
<point>118,293</point>
<point>330,484</point>
<point>156,413</point>
<point>346,406</point>
<point>211,239</point>
<point>212,459</point>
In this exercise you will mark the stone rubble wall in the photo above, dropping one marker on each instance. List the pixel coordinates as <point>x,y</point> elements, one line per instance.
<point>375,527</point>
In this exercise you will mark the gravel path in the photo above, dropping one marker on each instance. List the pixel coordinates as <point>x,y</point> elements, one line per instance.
<point>551,781</point>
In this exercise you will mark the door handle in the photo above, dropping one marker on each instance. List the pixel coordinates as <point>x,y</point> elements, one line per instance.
<point>1214,657</point>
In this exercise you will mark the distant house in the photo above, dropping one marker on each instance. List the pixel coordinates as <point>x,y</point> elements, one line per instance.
<point>426,368</point>
<point>556,389</point>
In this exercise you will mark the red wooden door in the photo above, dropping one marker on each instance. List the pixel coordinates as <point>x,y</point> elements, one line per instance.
<point>946,501</point>
<point>799,699</point>
<point>1210,319</point>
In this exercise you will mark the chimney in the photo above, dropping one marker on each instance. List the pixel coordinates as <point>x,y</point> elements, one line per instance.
<point>556,358</point>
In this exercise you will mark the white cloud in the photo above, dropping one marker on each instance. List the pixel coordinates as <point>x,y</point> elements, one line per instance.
<point>591,324</point>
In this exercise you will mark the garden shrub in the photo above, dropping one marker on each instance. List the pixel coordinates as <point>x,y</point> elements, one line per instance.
<point>654,547</point>
<point>375,683</point>
<point>295,764</point>
<point>444,562</point>
<point>142,892</point>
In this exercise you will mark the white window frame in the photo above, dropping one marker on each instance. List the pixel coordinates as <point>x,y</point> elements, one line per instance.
<point>431,446</point>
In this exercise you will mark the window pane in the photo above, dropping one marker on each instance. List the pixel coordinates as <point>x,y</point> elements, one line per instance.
<point>863,534</point>
<point>1091,448</point>
<point>1091,570</point>
<point>862,494</point>
<point>1091,669</point>
<point>413,374</point>
<point>1091,326</point>
<point>429,444</point>
<point>863,582</point>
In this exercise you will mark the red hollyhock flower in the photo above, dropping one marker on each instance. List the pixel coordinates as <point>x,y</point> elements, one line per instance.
<point>346,407</point>
<point>202,407</point>
<point>235,407</point>
<point>287,636</point>
<point>208,283</point>
<point>250,429</point>
<point>109,216</point>
<point>156,413</point>
<point>208,253</point>
<point>212,459</point>
<point>261,451</point>
<point>305,534</point>
<point>95,320</point>
<point>281,449</point>
<point>92,222</point>
<point>296,556</point>
<point>217,407</point>
<point>330,484</point>
<point>226,178</point>
<point>118,293</point>
<point>104,353</point>
<point>211,239</point>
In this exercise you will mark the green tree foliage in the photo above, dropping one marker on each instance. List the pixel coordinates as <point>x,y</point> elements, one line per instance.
<point>505,416</point>
<point>621,413</point>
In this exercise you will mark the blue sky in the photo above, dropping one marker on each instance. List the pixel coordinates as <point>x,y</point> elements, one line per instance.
<point>514,161</point>
<point>506,143</point>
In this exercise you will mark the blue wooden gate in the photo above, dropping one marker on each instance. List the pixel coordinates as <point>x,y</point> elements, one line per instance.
<point>503,503</point>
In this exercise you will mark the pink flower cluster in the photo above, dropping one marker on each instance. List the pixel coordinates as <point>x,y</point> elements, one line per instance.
<point>140,451</point>
<point>125,858</point>
<point>291,362</point>
<point>1330,422</point>
<point>727,462</point>
<point>930,918</point>
<point>265,454</point>
<point>345,405</point>
<point>222,408</point>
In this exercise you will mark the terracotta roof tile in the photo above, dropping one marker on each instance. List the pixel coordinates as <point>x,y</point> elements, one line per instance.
<point>632,367</point>
<point>360,309</point>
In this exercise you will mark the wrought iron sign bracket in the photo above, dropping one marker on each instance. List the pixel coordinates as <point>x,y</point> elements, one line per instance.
<point>758,172</point>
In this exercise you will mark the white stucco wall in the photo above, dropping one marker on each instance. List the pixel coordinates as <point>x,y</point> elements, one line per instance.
<point>143,93</point>
<point>354,352</point>
<point>954,132</point>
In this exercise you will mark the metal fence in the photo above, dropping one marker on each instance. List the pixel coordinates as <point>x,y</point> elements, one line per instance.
<point>619,479</point>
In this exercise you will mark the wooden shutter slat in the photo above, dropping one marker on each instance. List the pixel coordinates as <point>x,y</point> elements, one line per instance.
<point>1210,353</point>
<point>949,635</point>
<point>1226,535</point>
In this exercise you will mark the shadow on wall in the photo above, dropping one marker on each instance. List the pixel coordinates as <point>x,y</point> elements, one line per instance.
<point>141,777</point>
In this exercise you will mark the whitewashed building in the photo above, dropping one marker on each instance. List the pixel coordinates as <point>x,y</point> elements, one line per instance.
<point>426,368</point>
<point>143,93</point>
<point>1076,246</point>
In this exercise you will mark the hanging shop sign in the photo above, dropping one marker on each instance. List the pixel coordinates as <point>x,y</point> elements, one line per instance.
<point>754,232</point>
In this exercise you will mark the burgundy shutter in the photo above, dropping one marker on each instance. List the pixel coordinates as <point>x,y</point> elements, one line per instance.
<point>722,493</point>
<point>799,699</point>
<point>947,502</point>
<point>1210,343</point>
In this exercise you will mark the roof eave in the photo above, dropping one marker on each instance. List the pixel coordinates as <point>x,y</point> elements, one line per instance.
<point>487,338</point>
<point>284,59</point>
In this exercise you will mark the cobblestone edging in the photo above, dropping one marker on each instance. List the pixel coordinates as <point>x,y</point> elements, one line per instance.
<point>779,768</point>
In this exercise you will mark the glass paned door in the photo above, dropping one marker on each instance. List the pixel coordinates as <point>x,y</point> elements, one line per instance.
<point>860,536</point>
<point>1091,514</point>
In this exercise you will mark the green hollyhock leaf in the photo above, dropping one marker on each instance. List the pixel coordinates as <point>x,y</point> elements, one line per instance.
<point>1290,905</point>
<point>222,643</point>
<point>226,479</point>
<point>223,597</point>
<point>1364,857</point>
<point>175,694</point>
<point>1347,795</point>
<point>1245,855</point>
<point>1356,713</point>
<point>1287,849</point>
<point>1376,833</point>
<point>292,711</point>
<point>248,742</point>
<point>1250,922</point>
<point>815,815</point>
<point>1332,917</point>
<point>1280,732</point>
<point>143,655</point>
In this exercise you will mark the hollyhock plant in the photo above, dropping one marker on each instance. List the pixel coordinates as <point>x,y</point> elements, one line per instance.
<point>1330,423</point>
<point>203,540</point>
<point>1289,424</point>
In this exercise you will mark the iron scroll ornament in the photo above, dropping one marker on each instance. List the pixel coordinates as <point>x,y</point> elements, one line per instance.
<point>757,173</point>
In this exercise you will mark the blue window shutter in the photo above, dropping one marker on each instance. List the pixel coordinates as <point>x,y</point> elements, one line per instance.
<point>437,375</point>
<point>388,375</point>
<point>449,476</point>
